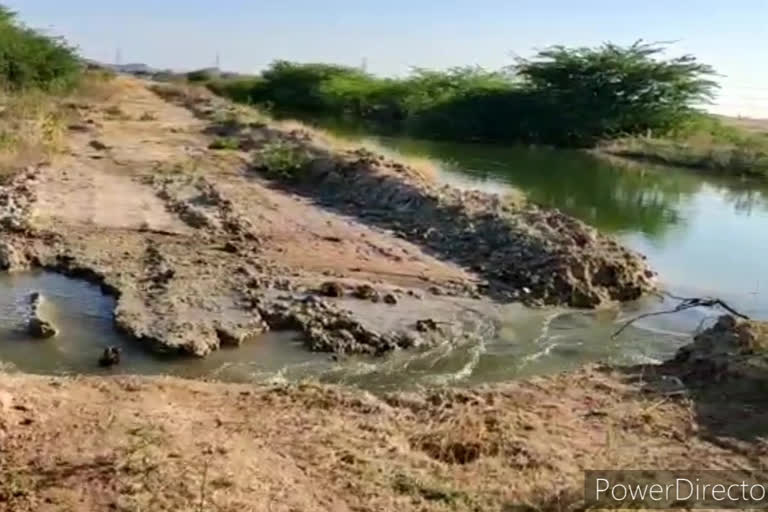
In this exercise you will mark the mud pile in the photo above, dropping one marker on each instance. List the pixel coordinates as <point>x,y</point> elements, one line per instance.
<point>730,349</point>
<point>527,253</point>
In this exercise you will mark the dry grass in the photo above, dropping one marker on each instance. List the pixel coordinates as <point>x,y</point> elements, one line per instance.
<point>166,444</point>
<point>423,167</point>
<point>33,124</point>
<point>725,146</point>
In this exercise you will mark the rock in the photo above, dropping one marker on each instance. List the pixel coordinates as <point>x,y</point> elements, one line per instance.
<point>231,248</point>
<point>436,291</point>
<point>390,299</point>
<point>110,357</point>
<point>331,289</point>
<point>98,145</point>
<point>10,258</point>
<point>37,326</point>
<point>367,292</point>
<point>41,329</point>
<point>426,325</point>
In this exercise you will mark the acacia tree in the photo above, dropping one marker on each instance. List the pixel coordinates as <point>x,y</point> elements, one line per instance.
<point>611,90</point>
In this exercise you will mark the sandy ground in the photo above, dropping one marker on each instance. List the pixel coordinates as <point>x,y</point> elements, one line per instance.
<point>164,444</point>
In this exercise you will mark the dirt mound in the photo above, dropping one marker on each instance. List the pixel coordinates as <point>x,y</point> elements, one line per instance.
<point>524,252</point>
<point>732,349</point>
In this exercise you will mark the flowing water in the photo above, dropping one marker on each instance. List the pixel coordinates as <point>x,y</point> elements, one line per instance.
<point>704,236</point>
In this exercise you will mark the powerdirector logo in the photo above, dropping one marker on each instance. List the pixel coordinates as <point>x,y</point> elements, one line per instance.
<point>676,489</point>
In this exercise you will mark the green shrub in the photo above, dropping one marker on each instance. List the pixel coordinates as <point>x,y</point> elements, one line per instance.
<point>562,96</point>
<point>225,143</point>
<point>201,75</point>
<point>29,59</point>
<point>282,159</point>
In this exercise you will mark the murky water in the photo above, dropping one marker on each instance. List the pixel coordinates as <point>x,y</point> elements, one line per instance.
<point>530,342</point>
<point>85,319</point>
<point>704,236</point>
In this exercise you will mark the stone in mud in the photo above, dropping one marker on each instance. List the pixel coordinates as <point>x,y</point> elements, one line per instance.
<point>329,329</point>
<point>37,326</point>
<point>10,258</point>
<point>426,325</point>
<point>110,357</point>
<point>390,299</point>
<point>331,289</point>
<point>41,329</point>
<point>367,292</point>
<point>98,145</point>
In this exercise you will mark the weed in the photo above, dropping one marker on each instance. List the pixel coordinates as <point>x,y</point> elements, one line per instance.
<point>225,143</point>
<point>13,487</point>
<point>405,484</point>
<point>32,126</point>
<point>283,159</point>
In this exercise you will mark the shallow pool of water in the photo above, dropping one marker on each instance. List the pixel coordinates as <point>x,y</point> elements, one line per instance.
<point>84,317</point>
<point>529,342</point>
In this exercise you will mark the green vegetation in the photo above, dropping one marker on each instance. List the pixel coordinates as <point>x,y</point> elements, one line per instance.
<point>201,75</point>
<point>32,67</point>
<point>29,59</point>
<point>225,143</point>
<point>562,96</point>
<point>282,159</point>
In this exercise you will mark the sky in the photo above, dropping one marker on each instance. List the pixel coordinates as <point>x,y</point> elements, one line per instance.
<point>392,36</point>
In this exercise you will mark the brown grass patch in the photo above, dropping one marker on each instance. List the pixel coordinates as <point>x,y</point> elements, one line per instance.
<point>33,124</point>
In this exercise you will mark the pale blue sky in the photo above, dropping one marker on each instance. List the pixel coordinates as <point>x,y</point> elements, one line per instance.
<point>394,35</point>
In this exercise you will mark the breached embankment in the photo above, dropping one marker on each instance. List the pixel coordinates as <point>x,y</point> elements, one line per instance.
<point>204,250</point>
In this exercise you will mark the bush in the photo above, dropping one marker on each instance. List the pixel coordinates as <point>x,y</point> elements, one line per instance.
<point>201,75</point>
<point>225,143</point>
<point>562,96</point>
<point>609,91</point>
<point>29,59</point>
<point>283,159</point>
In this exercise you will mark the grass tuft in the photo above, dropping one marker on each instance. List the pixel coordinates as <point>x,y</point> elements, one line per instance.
<point>282,159</point>
<point>225,143</point>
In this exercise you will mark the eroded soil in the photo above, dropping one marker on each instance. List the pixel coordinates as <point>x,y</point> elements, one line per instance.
<point>202,249</point>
